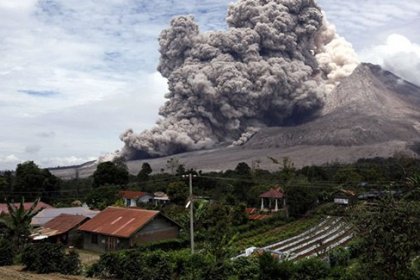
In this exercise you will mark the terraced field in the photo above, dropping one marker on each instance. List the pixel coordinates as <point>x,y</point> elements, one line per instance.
<point>318,240</point>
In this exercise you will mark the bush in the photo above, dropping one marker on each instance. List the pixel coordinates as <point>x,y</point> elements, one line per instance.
<point>166,245</point>
<point>311,269</point>
<point>71,264</point>
<point>6,252</point>
<point>339,257</point>
<point>47,258</point>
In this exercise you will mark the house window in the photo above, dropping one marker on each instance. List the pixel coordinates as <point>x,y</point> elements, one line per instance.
<point>94,239</point>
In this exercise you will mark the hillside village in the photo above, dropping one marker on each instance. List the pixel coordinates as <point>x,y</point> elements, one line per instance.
<point>317,222</point>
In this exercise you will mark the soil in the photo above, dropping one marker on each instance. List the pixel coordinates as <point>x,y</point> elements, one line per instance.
<point>16,273</point>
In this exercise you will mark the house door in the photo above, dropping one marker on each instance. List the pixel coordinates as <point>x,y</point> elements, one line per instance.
<point>111,243</point>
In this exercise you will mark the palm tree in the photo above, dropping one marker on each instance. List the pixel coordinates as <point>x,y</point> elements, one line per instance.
<point>18,223</point>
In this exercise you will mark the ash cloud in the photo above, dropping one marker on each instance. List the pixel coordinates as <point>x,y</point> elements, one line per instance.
<point>273,66</point>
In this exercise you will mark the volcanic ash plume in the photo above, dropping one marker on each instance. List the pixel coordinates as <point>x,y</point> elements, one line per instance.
<point>272,67</point>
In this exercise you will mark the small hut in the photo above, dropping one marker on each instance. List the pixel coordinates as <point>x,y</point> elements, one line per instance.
<point>273,199</point>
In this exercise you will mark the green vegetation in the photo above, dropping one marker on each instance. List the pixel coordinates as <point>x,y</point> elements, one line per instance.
<point>47,258</point>
<point>18,224</point>
<point>6,252</point>
<point>265,233</point>
<point>387,245</point>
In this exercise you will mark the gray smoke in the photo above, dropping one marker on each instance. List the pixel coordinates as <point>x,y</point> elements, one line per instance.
<point>273,66</point>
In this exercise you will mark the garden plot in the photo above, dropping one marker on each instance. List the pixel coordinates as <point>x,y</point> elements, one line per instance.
<point>318,240</point>
<point>331,232</point>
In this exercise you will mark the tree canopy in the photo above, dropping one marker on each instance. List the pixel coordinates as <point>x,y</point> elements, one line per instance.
<point>109,173</point>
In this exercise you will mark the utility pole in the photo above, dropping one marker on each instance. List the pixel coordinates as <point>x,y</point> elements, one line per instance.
<point>191,204</point>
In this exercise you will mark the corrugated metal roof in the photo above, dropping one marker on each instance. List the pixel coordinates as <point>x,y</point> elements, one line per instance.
<point>120,222</point>
<point>46,215</point>
<point>26,205</point>
<point>273,193</point>
<point>132,194</point>
<point>60,224</point>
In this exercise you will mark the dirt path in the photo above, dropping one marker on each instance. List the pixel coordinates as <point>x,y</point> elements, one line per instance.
<point>16,273</point>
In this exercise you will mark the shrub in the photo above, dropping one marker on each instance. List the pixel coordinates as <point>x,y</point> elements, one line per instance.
<point>71,264</point>
<point>339,257</point>
<point>310,269</point>
<point>47,258</point>
<point>6,252</point>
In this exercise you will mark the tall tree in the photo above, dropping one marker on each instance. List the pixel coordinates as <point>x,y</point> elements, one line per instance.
<point>144,172</point>
<point>108,173</point>
<point>32,182</point>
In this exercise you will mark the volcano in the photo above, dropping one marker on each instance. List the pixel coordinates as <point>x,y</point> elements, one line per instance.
<point>371,113</point>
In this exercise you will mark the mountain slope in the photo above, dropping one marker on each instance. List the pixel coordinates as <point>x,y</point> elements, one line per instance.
<point>371,113</point>
<point>369,107</point>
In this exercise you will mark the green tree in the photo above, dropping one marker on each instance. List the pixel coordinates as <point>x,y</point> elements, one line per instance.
<point>243,169</point>
<point>108,173</point>
<point>389,232</point>
<point>32,182</point>
<point>299,200</point>
<point>243,183</point>
<point>177,192</point>
<point>102,197</point>
<point>18,223</point>
<point>144,172</point>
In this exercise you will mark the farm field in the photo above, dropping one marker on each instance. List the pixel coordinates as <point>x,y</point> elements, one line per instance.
<point>306,237</point>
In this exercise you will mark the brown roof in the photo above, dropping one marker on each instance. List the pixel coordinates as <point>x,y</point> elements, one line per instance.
<point>120,222</point>
<point>273,193</point>
<point>346,192</point>
<point>255,217</point>
<point>250,210</point>
<point>132,194</point>
<point>61,224</point>
<point>26,205</point>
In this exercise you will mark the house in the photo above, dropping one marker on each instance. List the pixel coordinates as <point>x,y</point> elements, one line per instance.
<point>272,199</point>
<point>135,198</point>
<point>117,228</point>
<point>344,197</point>
<point>26,205</point>
<point>61,229</point>
<point>160,198</point>
<point>46,215</point>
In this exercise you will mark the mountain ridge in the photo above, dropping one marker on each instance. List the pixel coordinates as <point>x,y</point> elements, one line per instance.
<point>371,113</point>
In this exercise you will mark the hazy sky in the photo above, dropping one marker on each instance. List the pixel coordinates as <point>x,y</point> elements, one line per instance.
<point>76,74</point>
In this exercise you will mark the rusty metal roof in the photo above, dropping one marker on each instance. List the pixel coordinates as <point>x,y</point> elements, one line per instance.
<point>26,206</point>
<point>60,224</point>
<point>132,194</point>
<point>273,193</point>
<point>120,222</point>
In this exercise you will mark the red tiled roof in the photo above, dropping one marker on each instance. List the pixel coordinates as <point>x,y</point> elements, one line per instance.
<point>63,223</point>
<point>132,194</point>
<point>26,205</point>
<point>120,222</point>
<point>255,217</point>
<point>273,193</point>
<point>250,210</point>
